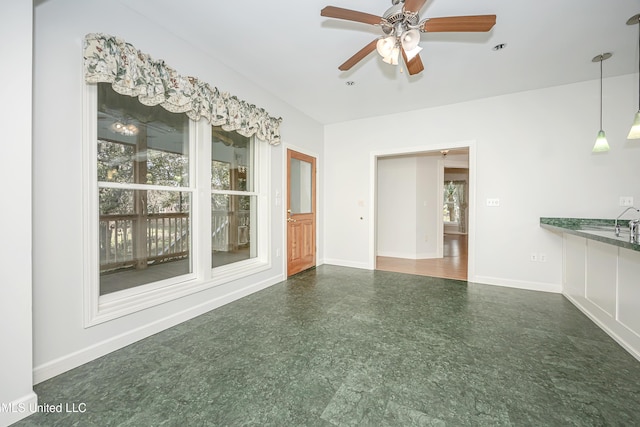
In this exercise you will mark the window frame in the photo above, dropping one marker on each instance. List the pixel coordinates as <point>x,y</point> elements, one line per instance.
<point>261,188</point>
<point>102,308</point>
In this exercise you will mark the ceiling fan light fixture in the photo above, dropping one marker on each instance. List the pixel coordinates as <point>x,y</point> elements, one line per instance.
<point>395,54</point>
<point>385,46</point>
<point>126,129</point>
<point>392,58</point>
<point>410,39</point>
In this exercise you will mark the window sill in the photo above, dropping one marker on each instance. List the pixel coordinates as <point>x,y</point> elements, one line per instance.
<point>119,304</point>
<point>237,270</point>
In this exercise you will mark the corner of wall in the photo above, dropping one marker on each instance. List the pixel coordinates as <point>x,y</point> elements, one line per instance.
<point>18,409</point>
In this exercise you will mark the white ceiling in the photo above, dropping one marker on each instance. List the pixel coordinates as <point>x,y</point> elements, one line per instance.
<point>286,47</point>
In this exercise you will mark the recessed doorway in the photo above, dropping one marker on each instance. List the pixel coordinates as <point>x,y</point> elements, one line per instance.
<point>453,264</point>
<point>422,213</point>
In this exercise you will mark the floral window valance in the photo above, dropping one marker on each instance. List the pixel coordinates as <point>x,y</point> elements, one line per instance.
<point>108,59</point>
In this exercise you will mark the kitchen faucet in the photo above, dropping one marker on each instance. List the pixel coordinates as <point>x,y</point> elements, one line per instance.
<point>617,226</point>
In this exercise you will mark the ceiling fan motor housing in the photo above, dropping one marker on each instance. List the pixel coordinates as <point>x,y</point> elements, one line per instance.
<point>396,14</point>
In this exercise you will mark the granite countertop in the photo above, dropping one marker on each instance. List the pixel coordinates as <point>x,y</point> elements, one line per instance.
<point>601,230</point>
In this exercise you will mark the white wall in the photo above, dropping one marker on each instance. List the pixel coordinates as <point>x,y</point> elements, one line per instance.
<point>532,151</point>
<point>407,205</point>
<point>60,341</point>
<point>397,182</point>
<point>16,26</point>
<point>427,206</point>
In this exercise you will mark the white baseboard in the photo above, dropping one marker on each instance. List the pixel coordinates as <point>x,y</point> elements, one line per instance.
<point>518,284</point>
<point>407,255</point>
<point>427,255</point>
<point>56,367</point>
<point>352,264</point>
<point>18,409</point>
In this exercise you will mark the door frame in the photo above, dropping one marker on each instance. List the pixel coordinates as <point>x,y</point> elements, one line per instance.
<point>281,204</point>
<point>373,191</point>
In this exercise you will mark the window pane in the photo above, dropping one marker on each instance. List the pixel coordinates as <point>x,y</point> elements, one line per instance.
<point>301,186</point>
<point>220,175</point>
<point>140,144</point>
<point>115,162</point>
<point>233,228</point>
<point>232,161</point>
<point>453,197</point>
<point>143,245</point>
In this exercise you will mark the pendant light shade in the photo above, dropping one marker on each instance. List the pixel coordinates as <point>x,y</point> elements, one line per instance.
<point>601,144</point>
<point>634,133</point>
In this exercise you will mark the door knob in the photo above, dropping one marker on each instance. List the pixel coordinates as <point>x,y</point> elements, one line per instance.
<point>291,220</point>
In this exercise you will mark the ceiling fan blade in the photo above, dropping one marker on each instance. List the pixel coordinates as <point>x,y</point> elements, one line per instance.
<point>476,23</point>
<point>414,66</point>
<point>350,15</point>
<point>414,5</point>
<point>359,56</point>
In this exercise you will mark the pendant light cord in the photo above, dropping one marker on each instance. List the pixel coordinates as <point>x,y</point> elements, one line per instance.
<point>601,60</point>
<point>638,63</point>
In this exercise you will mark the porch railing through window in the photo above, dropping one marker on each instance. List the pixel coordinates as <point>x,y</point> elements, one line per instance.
<point>229,230</point>
<point>167,238</point>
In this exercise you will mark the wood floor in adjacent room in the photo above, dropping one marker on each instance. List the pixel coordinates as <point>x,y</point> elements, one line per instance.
<point>452,266</point>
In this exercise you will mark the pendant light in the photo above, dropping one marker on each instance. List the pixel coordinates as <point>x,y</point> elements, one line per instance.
<point>601,141</point>
<point>634,133</point>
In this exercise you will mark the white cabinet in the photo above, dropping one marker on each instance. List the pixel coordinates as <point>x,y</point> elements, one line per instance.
<point>603,281</point>
<point>629,289</point>
<point>575,261</point>
<point>602,262</point>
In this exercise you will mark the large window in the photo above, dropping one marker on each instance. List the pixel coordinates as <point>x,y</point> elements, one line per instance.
<point>233,199</point>
<point>145,199</point>
<point>160,184</point>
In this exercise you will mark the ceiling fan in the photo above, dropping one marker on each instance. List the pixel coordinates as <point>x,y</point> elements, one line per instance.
<point>401,26</point>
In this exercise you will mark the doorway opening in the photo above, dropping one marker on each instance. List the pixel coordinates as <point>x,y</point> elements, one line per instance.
<point>423,212</point>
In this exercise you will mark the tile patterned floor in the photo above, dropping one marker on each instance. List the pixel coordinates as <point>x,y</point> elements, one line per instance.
<point>345,347</point>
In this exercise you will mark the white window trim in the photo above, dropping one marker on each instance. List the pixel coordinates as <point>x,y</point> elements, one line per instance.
<point>262,188</point>
<point>99,309</point>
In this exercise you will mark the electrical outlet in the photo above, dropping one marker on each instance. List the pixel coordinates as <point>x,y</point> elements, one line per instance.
<point>493,203</point>
<point>533,257</point>
<point>542,257</point>
<point>626,200</point>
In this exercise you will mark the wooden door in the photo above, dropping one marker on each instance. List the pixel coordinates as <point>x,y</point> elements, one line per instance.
<point>301,212</point>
